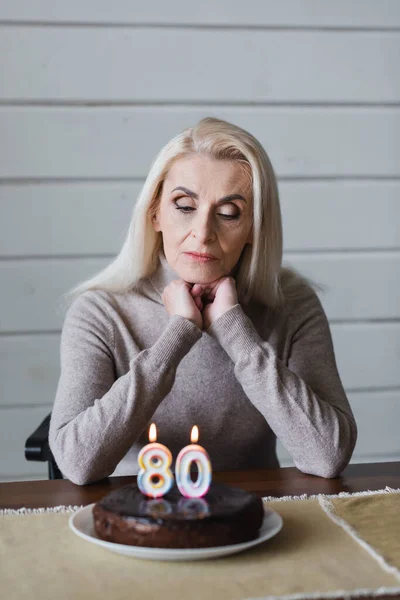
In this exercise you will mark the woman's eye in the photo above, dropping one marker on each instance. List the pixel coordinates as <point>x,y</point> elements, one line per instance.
<point>229,216</point>
<point>229,212</point>
<point>184,208</point>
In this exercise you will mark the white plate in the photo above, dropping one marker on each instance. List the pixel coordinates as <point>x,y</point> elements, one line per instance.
<point>81,523</point>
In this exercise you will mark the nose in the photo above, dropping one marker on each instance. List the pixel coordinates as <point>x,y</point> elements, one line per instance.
<point>203,227</point>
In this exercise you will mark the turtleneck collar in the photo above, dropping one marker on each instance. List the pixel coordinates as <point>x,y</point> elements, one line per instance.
<point>159,279</point>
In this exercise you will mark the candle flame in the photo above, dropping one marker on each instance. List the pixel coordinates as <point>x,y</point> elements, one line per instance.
<point>153,432</point>
<point>194,436</point>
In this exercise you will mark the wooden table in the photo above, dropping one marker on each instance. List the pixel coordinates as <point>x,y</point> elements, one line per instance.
<point>278,483</point>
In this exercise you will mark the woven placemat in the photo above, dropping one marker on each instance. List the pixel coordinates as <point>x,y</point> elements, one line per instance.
<point>312,556</point>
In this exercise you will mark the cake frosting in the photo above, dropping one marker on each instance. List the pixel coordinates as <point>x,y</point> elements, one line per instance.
<point>225,515</point>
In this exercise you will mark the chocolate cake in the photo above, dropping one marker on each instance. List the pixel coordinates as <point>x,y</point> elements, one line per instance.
<point>225,515</point>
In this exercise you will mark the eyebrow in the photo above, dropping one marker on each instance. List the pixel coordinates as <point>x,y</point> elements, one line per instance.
<point>196,196</point>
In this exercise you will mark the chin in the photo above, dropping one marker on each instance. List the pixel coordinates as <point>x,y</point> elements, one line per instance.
<point>199,274</point>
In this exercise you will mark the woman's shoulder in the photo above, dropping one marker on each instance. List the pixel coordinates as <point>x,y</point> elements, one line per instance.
<point>99,301</point>
<point>95,302</point>
<point>103,307</point>
<point>95,311</point>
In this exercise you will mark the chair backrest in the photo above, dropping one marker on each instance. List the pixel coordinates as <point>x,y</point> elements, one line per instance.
<point>37,448</point>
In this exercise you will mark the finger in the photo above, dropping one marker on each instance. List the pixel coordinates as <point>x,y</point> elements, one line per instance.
<point>223,280</point>
<point>197,290</point>
<point>216,286</point>
<point>213,286</point>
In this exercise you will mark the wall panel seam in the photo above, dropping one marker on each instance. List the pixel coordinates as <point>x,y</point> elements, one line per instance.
<point>118,179</point>
<point>47,23</point>
<point>143,103</point>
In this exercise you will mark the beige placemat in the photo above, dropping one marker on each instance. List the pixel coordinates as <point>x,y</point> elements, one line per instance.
<point>40,557</point>
<point>362,517</point>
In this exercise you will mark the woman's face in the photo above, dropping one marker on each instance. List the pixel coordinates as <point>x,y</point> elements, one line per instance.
<point>205,208</point>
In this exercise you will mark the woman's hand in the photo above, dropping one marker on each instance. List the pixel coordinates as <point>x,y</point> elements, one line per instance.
<point>179,301</point>
<point>215,298</point>
<point>201,303</point>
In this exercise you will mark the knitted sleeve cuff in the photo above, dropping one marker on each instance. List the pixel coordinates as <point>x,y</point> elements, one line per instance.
<point>235,332</point>
<point>176,340</point>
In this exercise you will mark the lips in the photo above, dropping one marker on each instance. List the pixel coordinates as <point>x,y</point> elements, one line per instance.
<point>202,255</point>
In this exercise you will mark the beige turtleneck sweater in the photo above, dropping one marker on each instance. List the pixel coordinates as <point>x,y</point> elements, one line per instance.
<point>255,375</point>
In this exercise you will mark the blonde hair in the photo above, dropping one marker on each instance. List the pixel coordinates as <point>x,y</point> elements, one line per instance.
<point>259,275</point>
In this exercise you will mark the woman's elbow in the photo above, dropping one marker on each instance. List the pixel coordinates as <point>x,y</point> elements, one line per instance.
<point>77,472</point>
<point>331,469</point>
<point>333,458</point>
<point>328,468</point>
<point>72,462</point>
<point>81,478</point>
<point>338,455</point>
<point>71,468</point>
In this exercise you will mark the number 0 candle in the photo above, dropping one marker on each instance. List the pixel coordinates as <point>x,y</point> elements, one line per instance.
<point>188,455</point>
<point>154,477</point>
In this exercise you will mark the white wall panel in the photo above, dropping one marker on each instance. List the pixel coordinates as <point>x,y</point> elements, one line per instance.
<point>340,215</point>
<point>120,142</point>
<point>65,219</point>
<point>298,13</point>
<point>356,285</point>
<point>32,477</point>
<point>33,290</point>
<point>153,65</point>
<point>29,369</point>
<point>92,218</point>
<point>367,354</point>
<point>377,415</point>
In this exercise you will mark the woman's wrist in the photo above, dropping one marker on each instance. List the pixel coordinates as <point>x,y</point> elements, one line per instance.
<point>235,332</point>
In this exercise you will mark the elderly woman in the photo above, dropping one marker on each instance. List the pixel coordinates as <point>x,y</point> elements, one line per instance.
<point>196,322</point>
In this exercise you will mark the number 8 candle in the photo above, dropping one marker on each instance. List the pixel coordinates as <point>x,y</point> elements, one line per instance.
<point>154,462</point>
<point>189,454</point>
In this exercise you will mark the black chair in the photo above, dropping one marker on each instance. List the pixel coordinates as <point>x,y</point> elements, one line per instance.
<point>37,448</point>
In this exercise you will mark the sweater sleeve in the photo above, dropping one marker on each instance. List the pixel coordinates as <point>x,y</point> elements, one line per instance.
<point>304,401</point>
<point>97,417</point>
